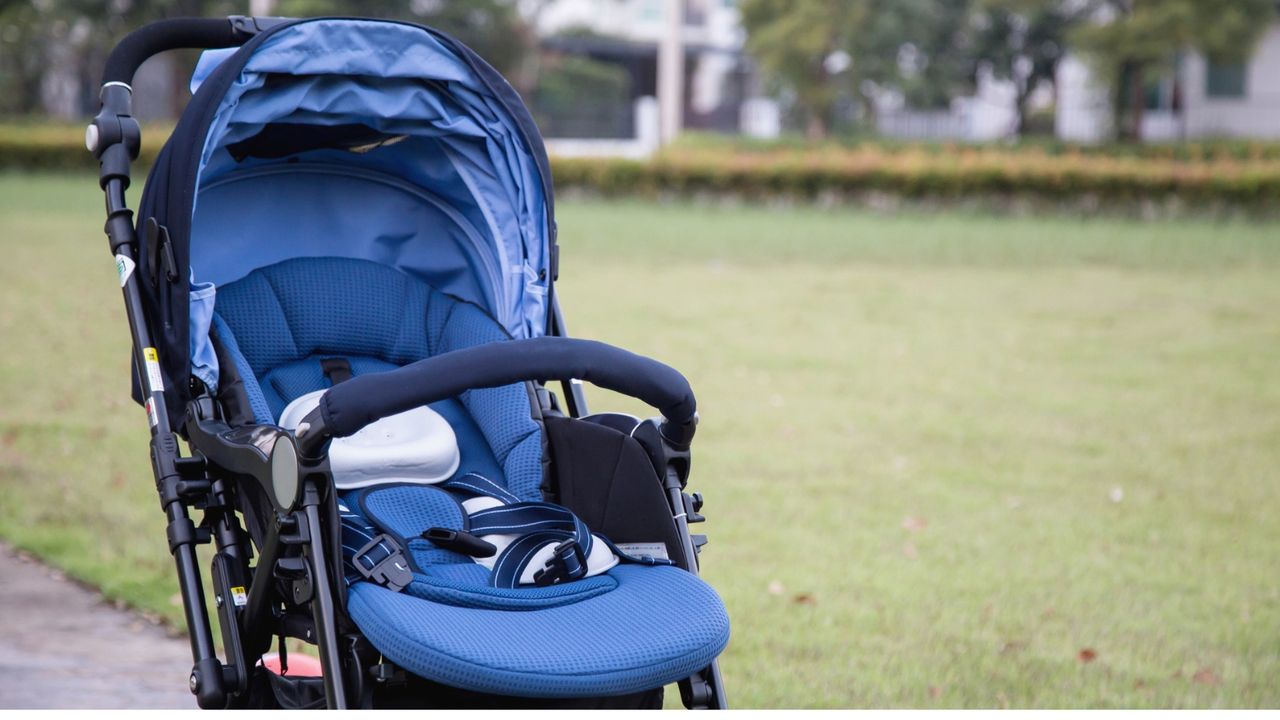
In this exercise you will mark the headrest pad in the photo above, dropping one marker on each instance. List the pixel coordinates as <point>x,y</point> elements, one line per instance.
<point>415,446</point>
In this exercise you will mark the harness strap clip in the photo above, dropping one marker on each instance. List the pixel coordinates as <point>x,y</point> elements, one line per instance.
<point>459,541</point>
<point>380,561</point>
<point>567,562</point>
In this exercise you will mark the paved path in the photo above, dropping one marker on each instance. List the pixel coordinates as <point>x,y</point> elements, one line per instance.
<point>62,646</point>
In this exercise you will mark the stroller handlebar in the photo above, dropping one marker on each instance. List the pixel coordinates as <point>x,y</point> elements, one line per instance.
<point>346,408</point>
<point>176,34</point>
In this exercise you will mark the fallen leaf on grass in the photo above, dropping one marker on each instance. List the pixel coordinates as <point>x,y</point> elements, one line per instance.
<point>804,599</point>
<point>776,588</point>
<point>935,692</point>
<point>1087,655</point>
<point>1003,700</point>
<point>1013,646</point>
<point>914,524</point>
<point>909,550</point>
<point>1205,676</point>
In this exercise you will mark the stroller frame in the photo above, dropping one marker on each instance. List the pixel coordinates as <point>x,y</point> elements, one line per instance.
<point>299,546</point>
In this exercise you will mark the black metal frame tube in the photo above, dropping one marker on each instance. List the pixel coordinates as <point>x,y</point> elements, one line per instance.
<point>258,611</point>
<point>322,608</point>
<point>206,673</point>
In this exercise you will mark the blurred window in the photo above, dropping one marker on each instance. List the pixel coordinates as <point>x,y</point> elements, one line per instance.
<point>1224,80</point>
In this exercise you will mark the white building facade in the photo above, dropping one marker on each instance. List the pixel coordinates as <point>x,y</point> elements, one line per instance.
<point>1199,99</point>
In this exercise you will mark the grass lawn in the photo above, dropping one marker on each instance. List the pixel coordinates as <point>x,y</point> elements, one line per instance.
<point>948,458</point>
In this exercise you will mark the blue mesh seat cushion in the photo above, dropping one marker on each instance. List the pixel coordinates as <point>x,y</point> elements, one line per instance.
<point>604,635</point>
<point>617,642</point>
<point>285,318</point>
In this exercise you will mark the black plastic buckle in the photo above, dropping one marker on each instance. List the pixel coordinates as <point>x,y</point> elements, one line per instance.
<point>567,562</point>
<point>459,541</point>
<point>392,572</point>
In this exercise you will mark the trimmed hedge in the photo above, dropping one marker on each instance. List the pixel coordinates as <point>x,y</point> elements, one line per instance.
<point>964,173</point>
<point>830,172</point>
<point>31,146</point>
<point>1202,150</point>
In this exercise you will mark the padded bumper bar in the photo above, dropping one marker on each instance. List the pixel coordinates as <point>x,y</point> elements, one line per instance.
<point>148,40</point>
<point>346,408</point>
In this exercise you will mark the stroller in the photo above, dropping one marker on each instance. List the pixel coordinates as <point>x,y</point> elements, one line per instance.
<point>340,288</point>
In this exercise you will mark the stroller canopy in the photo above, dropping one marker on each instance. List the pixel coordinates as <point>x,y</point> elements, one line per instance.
<point>382,141</point>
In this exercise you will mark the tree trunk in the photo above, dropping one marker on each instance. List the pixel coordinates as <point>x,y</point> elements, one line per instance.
<point>1020,109</point>
<point>816,129</point>
<point>1137,104</point>
<point>1129,102</point>
<point>869,115</point>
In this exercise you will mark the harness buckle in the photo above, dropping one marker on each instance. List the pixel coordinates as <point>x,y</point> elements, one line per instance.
<point>459,541</point>
<point>390,571</point>
<point>567,562</point>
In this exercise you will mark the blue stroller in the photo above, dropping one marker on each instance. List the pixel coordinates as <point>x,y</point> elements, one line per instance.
<point>340,287</point>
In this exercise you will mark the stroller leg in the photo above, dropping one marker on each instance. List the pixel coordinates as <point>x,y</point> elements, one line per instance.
<point>705,689</point>
<point>206,675</point>
<point>322,604</point>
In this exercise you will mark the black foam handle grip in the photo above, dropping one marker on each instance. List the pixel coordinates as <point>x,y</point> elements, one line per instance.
<point>174,34</point>
<point>347,407</point>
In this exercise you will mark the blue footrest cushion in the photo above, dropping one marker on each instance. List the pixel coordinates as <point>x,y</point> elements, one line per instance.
<point>654,626</point>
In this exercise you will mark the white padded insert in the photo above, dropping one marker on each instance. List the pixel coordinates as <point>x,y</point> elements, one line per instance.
<point>415,446</point>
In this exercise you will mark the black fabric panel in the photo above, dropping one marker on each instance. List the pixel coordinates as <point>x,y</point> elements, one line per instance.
<point>279,140</point>
<point>352,405</point>
<point>607,479</point>
<point>269,691</point>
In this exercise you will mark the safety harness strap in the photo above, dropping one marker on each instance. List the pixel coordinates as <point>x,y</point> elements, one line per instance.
<point>378,557</point>
<point>368,554</point>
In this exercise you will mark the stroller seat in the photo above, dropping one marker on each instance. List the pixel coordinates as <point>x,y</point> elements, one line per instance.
<point>296,327</point>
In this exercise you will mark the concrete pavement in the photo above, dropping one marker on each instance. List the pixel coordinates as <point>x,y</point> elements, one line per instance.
<point>63,646</point>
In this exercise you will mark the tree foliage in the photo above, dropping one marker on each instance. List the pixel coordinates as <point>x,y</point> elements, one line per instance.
<point>1023,41</point>
<point>73,37</point>
<point>932,51</point>
<point>1139,36</point>
<point>796,43</point>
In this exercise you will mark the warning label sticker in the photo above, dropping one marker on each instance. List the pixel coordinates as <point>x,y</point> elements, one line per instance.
<point>151,412</point>
<point>238,596</point>
<point>124,268</point>
<point>640,549</point>
<point>155,380</point>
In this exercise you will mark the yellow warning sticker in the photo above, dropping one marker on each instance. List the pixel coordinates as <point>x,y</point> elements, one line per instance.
<point>155,381</point>
<point>238,596</point>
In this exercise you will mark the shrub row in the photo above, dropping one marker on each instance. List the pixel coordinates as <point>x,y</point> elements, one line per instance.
<point>32,146</point>
<point>806,173</point>
<point>922,174</point>
<point>1201,150</point>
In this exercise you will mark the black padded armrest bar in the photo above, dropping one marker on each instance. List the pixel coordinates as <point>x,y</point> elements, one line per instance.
<point>148,40</point>
<point>346,408</point>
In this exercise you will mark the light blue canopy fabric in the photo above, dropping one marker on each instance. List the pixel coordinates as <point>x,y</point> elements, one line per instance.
<point>453,197</point>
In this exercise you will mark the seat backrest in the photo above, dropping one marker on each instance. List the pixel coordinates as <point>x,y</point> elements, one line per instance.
<point>280,322</point>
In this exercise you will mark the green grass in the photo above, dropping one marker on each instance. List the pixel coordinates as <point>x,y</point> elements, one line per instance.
<point>914,430</point>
